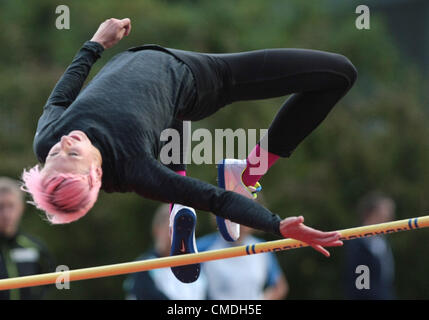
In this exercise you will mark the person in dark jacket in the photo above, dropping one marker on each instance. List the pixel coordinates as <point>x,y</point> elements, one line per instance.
<point>20,254</point>
<point>374,253</point>
<point>108,136</point>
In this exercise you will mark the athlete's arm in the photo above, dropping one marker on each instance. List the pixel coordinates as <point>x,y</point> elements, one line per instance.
<point>68,87</point>
<point>71,82</point>
<point>155,181</point>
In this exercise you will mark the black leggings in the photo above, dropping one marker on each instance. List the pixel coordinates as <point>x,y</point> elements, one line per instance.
<point>317,80</point>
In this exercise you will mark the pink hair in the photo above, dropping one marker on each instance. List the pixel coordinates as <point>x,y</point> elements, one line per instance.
<point>65,197</point>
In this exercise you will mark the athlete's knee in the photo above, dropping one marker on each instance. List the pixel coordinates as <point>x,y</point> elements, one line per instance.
<point>347,69</point>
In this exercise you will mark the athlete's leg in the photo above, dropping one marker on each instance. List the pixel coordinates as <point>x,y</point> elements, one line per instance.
<point>316,79</point>
<point>182,219</point>
<point>180,128</point>
<point>178,164</point>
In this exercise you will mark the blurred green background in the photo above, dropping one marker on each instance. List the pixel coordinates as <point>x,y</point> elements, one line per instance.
<point>376,137</point>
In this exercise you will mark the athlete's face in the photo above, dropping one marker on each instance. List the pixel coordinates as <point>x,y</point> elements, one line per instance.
<point>74,153</point>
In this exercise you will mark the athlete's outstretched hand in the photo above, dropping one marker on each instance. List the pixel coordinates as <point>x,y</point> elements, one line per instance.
<point>293,227</point>
<point>111,31</point>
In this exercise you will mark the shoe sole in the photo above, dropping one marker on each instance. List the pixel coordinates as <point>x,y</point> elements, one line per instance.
<point>183,243</point>
<point>221,221</point>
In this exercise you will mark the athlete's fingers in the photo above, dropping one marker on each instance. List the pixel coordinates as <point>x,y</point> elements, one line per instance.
<point>320,234</point>
<point>337,243</point>
<point>326,240</point>
<point>321,250</point>
<point>126,23</point>
<point>332,234</point>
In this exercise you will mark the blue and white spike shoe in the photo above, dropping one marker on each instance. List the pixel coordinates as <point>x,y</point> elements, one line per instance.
<point>182,235</point>
<point>230,172</point>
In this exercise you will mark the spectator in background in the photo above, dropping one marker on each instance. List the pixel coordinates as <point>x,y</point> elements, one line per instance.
<point>161,284</point>
<point>374,252</point>
<point>20,254</point>
<point>253,277</point>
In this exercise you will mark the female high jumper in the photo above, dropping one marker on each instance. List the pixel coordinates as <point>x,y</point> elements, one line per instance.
<point>107,136</point>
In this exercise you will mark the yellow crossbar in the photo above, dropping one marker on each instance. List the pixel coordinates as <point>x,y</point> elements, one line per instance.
<point>173,261</point>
